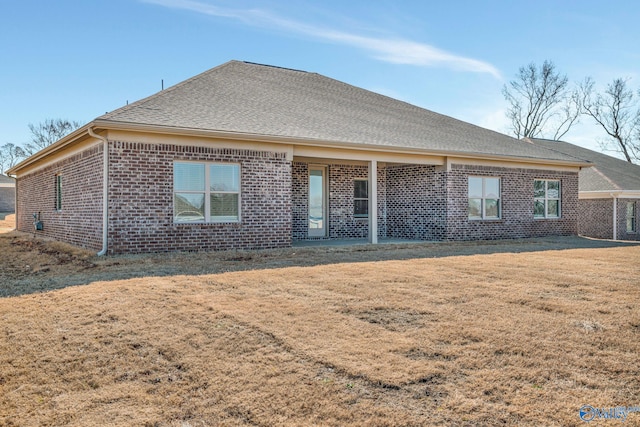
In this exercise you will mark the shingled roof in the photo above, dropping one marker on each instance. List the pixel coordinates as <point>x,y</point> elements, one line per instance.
<point>246,98</point>
<point>608,173</point>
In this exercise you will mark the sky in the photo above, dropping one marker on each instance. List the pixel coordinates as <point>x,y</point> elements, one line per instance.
<point>77,59</point>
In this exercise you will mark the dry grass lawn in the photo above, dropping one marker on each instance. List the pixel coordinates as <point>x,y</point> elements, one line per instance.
<point>502,333</point>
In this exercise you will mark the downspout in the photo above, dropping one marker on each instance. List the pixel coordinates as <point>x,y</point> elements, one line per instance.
<point>105,190</point>
<point>615,216</point>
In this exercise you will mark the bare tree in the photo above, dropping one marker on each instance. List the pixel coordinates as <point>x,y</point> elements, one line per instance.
<point>10,155</point>
<point>46,133</point>
<point>617,113</point>
<point>541,103</point>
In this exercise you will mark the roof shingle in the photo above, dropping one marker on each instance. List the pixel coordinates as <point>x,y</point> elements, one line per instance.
<point>608,174</point>
<point>271,101</point>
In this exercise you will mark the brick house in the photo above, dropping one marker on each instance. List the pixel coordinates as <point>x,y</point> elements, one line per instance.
<point>253,156</point>
<point>7,194</point>
<point>609,193</point>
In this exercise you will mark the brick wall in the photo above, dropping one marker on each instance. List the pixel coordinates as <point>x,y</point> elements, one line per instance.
<point>595,218</point>
<point>300,199</point>
<point>342,223</point>
<point>7,199</point>
<point>141,200</point>
<point>622,219</point>
<point>415,202</point>
<point>80,220</point>
<point>517,204</point>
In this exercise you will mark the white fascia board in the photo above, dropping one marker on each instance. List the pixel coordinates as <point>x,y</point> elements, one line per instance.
<point>619,194</point>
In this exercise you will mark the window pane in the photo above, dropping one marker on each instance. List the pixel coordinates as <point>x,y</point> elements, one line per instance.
<point>631,217</point>
<point>224,207</point>
<point>361,208</point>
<point>552,208</point>
<point>538,188</point>
<point>360,189</point>
<point>538,208</point>
<point>188,207</point>
<point>475,208</point>
<point>475,188</point>
<point>492,208</point>
<point>492,188</point>
<point>553,189</point>
<point>188,177</point>
<point>225,177</point>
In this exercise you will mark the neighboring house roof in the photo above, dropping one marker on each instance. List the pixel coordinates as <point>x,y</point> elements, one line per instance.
<point>7,180</point>
<point>265,100</point>
<point>608,173</point>
<point>243,100</point>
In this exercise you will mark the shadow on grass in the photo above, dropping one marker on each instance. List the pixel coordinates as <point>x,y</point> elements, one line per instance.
<point>81,271</point>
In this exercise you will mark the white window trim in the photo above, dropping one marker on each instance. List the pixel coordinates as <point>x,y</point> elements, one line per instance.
<point>207,194</point>
<point>634,218</point>
<point>360,217</point>
<point>546,199</point>
<point>483,198</point>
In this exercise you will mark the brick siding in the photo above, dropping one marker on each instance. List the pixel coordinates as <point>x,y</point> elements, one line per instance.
<point>415,201</point>
<point>141,200</point>
<point>300,199</point>
<point>622,219</point>
<point>7,199</point>
<point>424,202</point>
<point>342,223</point>
<point>595,218</point>
<point>79,222</point>
<point>517,204</point>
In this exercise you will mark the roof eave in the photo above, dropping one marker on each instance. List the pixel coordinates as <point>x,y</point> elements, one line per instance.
<point>140,127</point>
<point>58,145</point>
<point>609,194</point>
<point>128,126</point>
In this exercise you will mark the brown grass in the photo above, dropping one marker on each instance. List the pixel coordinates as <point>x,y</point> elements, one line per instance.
<point>516,333</point>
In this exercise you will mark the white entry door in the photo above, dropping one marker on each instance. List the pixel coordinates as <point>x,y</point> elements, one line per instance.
<point>317,201</point>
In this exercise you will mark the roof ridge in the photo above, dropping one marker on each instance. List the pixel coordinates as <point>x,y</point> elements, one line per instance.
<point>606,178</point>
<point>278,67</point>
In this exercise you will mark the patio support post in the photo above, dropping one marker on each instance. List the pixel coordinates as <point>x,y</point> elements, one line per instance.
<point>615,217</point>
<point>373,201</point>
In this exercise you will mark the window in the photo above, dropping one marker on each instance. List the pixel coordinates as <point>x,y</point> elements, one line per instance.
<point>361,198</point>
<point>484,198</point>
<point>546,193</point>
<point>631,217</point>
<point>58,193</point>
<point>206,192</point>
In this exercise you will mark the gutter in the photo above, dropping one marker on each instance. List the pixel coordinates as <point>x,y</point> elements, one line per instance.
<point>105,190</point>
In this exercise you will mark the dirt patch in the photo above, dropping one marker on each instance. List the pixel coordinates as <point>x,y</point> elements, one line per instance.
<point>451,334</point>
<point>7,222</point>
<point>393,319</point>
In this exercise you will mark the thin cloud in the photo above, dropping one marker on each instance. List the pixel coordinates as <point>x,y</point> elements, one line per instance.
<point>396,51</point>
